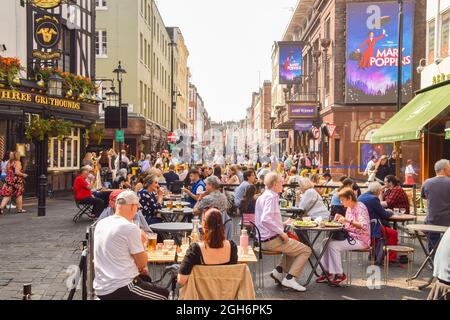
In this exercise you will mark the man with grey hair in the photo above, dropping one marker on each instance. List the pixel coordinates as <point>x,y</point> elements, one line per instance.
<point>213,198</point>
<point>436,191</point>
<point>120,256</point>
<point>273,238</point>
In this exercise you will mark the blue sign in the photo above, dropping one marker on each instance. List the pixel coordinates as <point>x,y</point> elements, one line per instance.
<point>372,52</point>
<point>290,63</point>
<point>303,125</point>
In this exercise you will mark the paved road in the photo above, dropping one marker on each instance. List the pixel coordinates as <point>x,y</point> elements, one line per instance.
<point>39,250</point>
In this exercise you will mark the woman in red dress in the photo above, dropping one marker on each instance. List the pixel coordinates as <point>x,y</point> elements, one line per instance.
<point>14,185</point>
<point>364,62</point>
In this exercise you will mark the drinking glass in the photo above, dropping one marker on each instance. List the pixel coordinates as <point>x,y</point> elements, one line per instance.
<point>402,210</point>
<point>396,211</point>
<point>152,241</point>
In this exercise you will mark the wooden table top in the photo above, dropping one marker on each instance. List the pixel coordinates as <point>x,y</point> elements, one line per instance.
<point>402,218</point>
<point>158,256</point>
<point>427,228</point>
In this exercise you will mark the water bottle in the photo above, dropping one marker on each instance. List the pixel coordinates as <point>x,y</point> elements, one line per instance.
<point>244,241</point>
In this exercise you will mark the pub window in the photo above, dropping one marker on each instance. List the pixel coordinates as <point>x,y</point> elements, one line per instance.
<point>101,43</point>
<point>64,155</point>
<point>337,150</point>
<point>100,4</point>
<point>430,45</point>
<point>445,34</point>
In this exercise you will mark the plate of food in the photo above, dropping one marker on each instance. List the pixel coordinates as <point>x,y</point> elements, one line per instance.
<point>304,224</point>
<point>331,224</point>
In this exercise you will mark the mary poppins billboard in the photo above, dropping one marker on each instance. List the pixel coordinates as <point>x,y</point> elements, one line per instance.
<point>372,52</point>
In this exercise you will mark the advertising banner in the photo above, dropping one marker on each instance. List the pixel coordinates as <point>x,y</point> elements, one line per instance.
<point>290,64</point>
<point>298,111</point>
<point>303,125</point>
<point>372,52</point>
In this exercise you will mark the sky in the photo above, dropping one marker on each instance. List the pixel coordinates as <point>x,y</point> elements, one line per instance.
<point>230,44</point>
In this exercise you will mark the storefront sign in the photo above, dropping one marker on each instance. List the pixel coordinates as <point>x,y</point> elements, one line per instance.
<point>46,4</point>
<point>47,33</point>
<point>27,97</point>
<point>372,51</point>
<point>282,134</point>
<point>303,125</point>
<point>298,111</point>
<point>120,136</point>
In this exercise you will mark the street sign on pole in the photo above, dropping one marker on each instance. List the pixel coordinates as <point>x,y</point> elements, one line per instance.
<point>171,137</point>
<point>331,128</point>
<point>316,133</point>
<point>120,136</point>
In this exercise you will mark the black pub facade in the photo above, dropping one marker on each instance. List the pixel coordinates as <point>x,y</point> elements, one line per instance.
<point>60,44</point>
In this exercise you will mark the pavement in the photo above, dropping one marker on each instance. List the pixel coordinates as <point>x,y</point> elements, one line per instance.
<point>44,251</point>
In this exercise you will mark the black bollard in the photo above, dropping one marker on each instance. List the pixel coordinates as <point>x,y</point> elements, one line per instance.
<point>42,195</point>
<point>26,292</point>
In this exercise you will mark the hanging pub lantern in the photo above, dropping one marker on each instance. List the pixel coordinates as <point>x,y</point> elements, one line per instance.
<point>55,83</point>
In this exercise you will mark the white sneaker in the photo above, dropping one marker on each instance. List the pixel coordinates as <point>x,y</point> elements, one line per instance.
<point>277,276</point>
<point>293,284</point>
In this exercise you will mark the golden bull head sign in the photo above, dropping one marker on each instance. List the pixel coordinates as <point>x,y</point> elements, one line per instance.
<point>46,4</point>
<point>47,33</point>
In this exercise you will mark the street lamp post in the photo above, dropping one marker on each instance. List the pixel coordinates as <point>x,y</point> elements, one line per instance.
<point>399,79</point>
<point>173,99</point>
<point>119,71</point>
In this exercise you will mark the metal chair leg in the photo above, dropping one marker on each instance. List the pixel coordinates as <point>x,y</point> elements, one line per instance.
<point>386,267</point>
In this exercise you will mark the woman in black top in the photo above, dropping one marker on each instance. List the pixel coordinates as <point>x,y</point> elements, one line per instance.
<point>248,203</point>
<point>214,249</point>
<point>382,169</point>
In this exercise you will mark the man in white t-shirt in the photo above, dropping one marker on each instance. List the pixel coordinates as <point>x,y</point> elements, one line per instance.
<point>120,259</point>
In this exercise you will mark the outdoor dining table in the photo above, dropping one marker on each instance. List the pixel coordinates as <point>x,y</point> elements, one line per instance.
<point>401,218</point>
<point>182,203</point>
<point>429,255</point>
<point>171,215</point>
<point>171,230</point>
<point>173,197</point>
<point>317,255</point>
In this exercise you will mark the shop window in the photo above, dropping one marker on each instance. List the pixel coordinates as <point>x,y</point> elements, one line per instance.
<point>445,34</point>
<point>337,150</point>
<point>430,45</point>
<point>64,155</point>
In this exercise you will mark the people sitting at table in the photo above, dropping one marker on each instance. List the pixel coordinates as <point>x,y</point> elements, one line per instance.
<point>379,229</point>
<point>213,198</point>
<point>311,201</point>
<point>441,271</point>
<point>171,177</point>
<point>84,195</point>
<point>248,202</point>
<point>120,257</point>
<point>214,249</point>
<point>249,179</point>
<point>394,196</point>
<point>197,187</point>
<point>151,199</point>
<point>357,224</point>
<point>336,206</point>
<point>139,218</point>
<point>269,222</point>
<point>182,172</point>
<point>436,191</point>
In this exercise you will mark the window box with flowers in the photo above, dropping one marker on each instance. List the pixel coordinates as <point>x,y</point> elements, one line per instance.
<point>10,69</point>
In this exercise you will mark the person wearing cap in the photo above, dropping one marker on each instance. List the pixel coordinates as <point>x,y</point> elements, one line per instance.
<point>120,257</point>
<point>139,218</point>
<point>83,193</point>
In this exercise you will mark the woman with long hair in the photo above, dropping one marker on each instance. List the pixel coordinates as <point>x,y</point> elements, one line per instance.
<point>248,203</point>
<point>382,169</point>
<point>214,249</point>
<point>14,183</point>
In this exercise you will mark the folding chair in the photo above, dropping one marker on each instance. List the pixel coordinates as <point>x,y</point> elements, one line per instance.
<point>83,209</point>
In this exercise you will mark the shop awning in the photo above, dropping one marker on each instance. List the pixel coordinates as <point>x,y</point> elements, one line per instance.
<point>409,122</point>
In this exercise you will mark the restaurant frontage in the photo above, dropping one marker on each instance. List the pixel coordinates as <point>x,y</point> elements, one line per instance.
<point>419,130</point>
<point>58,158</point>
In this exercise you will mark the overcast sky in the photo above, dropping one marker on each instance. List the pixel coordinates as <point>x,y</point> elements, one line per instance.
<point>230,44</point>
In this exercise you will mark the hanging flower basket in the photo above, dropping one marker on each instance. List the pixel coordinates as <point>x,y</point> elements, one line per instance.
<point>95,135</point>
<point>39,129</point>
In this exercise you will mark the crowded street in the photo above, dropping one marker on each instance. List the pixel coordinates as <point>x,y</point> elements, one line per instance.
<point>157,150</point>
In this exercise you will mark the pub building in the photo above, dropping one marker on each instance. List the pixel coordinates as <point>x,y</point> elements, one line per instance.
<point>29,98</point>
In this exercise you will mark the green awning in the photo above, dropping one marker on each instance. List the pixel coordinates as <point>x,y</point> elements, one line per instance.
<point>408,123</point>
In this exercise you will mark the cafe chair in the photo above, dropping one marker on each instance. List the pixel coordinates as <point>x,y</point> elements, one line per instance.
<point>399,249</point>
<point>225,282</point>
<point>260,253</point>
<point>83,209</point>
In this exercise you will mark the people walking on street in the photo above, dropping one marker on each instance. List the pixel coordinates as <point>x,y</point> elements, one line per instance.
<point>125,161</point>
<point>382,169</point>
<point>410,173</point>
<point>14,183</point>
<point>273,238</point>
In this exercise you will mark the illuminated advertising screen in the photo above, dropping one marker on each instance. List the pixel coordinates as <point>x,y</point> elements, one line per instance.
<point>372,52</point>
<point>290,63</point>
